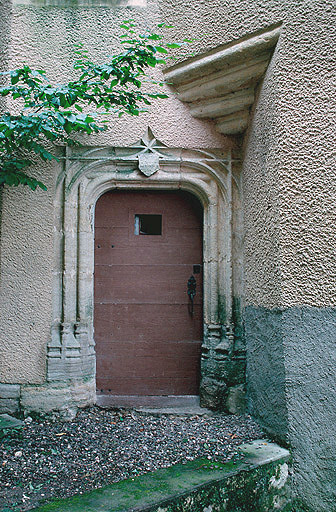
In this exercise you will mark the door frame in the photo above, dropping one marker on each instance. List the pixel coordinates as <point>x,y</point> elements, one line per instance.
<point>212,176</point>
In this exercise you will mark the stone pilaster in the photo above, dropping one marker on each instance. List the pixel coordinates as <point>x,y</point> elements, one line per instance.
<point>223,370</point>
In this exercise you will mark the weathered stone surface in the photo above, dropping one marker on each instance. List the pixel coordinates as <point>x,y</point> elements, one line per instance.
<point>223,57</point>
<point>224,105</point>
<point>236,399</point>
<point>234,123</point>
<point>150,401</point>
<point>7,422</point>
<point>64,397</point>
<point>44,398</point>
<point>9,391</point>
<point>223,81</point>
<point>258,482</point>
<point>9,405</point>
<point>228,91</point>
<point>212,393</point>
<point>230,370</point>
<point>9,398</point>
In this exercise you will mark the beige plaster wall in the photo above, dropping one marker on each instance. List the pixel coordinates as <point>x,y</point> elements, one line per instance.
<point>298,107</point>
<point>289,172</point>
<point>46,37</point>
<point>26,277</point>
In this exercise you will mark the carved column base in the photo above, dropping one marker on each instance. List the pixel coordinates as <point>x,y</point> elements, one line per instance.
<point>70,354</point>
<point>223,384</point>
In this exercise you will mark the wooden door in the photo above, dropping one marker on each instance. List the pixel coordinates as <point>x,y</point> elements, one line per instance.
<point>147,245</point>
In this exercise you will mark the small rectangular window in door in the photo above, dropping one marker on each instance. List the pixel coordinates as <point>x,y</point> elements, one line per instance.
<point>147,224</point>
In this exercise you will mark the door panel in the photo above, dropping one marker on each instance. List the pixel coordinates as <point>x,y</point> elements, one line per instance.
<point>116,322</point>
<point>160,284</point>
<point>147,342</point>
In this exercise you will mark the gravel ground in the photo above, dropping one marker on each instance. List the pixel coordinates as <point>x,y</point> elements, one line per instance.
<point>57,459</point>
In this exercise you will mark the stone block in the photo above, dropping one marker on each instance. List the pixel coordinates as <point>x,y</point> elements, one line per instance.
<point>9,391</point>
<point>236,400</point>
<point>45,398</point>
<point>83,394</point>
<point>9,406</point>
<point>212,394</point>
<point>65,396</point>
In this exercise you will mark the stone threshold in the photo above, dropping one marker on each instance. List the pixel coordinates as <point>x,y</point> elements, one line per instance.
<point>257,481</point>
<point>177,405</point>
<point>150,401</point>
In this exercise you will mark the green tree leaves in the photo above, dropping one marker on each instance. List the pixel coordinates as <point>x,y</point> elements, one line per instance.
<point>54,112</point>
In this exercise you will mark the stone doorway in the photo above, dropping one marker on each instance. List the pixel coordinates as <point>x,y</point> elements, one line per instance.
<point>213,177</point>
<point>148,331</point>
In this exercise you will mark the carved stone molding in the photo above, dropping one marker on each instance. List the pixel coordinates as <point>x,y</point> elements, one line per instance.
<point>221,84</point>
<point>212,176</point>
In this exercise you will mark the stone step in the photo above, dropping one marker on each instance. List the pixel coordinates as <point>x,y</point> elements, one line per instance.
<point>7,422</point>
<point>175,411</point>
<point>152,402</point>
<point>258,480</point>
<point>177,405</point>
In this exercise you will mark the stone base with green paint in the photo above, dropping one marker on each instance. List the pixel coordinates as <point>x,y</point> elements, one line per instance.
<point>257,482</point>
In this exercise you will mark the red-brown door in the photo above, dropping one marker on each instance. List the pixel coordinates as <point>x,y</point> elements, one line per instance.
<point>147,246</point>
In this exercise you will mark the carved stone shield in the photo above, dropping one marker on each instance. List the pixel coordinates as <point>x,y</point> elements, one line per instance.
<point>149,163</point>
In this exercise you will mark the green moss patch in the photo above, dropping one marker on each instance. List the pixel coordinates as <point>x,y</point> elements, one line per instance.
<point>244,485</point>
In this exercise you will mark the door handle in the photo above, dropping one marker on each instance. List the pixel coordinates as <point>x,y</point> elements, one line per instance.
<point>191,291</point>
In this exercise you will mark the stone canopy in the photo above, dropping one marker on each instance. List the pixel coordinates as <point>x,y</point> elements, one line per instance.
<point>221,85</point>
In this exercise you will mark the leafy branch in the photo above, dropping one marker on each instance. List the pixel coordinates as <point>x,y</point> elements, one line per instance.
<point>52,113</point>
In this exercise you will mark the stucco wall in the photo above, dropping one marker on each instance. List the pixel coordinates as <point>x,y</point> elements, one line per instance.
<point>286,162</point>
<point>26,277</point>
<point>4,33</point>
<point>295,114</point>
<point>5,9</point>
<point>289,235</point>
<point>291,140</point>
<point>289,212</point>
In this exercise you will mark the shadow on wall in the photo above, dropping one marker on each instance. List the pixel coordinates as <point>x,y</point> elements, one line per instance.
<point>266,378</point>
